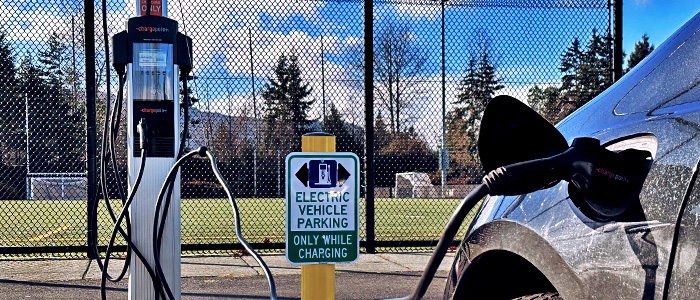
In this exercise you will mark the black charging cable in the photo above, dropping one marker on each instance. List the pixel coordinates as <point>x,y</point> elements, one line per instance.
<point>593,171</point>
<point>165,198</point>
<point>107,142</point>
<point>184,76</point>
<point>108,155</point>
<point>158,219</point>
<point>446,239</point>
<point>159,286</point>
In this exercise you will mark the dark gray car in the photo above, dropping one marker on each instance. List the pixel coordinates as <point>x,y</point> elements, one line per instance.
<point>549,245</point>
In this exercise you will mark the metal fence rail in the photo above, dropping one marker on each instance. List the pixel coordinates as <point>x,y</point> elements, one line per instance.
<point>265,73</point>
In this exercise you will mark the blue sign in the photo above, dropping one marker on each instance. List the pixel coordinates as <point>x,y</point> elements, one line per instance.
<point>323,173</point>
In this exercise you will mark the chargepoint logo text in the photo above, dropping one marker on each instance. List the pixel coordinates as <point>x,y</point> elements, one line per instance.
<point>152,29</point>
<point>153,110</point>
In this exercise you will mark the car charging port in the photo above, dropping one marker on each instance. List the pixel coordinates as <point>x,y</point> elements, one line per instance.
<point>606,188</point>
<point>604,183</point>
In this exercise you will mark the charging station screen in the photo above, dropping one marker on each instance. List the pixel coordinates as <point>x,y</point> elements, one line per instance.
<point>153,71</point>
<point>153,58</point>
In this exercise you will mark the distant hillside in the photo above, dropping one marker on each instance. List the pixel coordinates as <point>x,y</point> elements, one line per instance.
<point>204,126</point>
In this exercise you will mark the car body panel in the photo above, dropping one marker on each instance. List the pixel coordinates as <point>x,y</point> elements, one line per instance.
<point>685,278</point>
<point>626,258</point>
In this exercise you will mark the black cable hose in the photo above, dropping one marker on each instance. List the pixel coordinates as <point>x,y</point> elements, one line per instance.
<point>183,139</point>
<point>167,185</point>
<point>108,145</point>
<point>447,237</point>
<point>237,222</point>
<point>180,152</point>
<point>114,133</point>
<point>203,152</point>
<point>117,228</point>
<point>107,138</point>
<point>104,132</point>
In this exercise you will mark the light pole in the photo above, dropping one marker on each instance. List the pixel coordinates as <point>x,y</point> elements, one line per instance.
<point>443,152</point>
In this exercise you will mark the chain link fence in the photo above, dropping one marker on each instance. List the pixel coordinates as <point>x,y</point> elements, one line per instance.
<point>42,119</point>
<point>265,73</point>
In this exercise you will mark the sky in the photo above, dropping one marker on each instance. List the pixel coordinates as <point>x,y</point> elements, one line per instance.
<point>658,18</point>
<point>527,43</point>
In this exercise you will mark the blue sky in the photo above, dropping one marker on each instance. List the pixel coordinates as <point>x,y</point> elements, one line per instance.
<point>527,42</point>
<point>658,18</point>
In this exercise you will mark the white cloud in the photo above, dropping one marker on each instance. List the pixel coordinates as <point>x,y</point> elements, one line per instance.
<point>207,9</point>
<point>641,2</point>
<point>428,11</point>
<point>32,25</point>
<point>268,46</point>
<point>220,27</point>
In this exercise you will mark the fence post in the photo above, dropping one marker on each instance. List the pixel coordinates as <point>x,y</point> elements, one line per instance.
<point>617,44</point>
<point>369,127</point>
<point>91,130</point>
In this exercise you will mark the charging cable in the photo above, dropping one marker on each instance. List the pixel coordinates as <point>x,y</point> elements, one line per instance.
<point>608,181</point>
<point>110,132</point>
<point>108,155</point>
<point>160,288</point>
<point>158,230</point>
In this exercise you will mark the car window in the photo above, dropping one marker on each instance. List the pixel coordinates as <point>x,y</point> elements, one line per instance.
<point>674,81</point>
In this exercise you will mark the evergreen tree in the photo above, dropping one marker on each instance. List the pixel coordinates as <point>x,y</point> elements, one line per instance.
<point>585,72</point>
<point>32,91</point>
<point>52,61</point>
<point>571,76</point>
<point>642,49</point>
<point>346,139</point>
<point>286,108</point>
<point>468,95</point>
<point>334,123</point>
<point>56,120</point>
<point>8,81</point>
<point>547,102</point>
<point>598,62</point>
<point>12,134</point>
<point>11,108</point>
<point>477,88</point>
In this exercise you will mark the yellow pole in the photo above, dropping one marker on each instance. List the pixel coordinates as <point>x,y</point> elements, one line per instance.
<point>318,280</point>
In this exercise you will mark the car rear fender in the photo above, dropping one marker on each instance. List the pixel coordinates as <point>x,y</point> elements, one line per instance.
<point>518,239</point>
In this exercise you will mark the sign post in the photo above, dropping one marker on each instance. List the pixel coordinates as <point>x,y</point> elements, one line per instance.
<point>322,213</point>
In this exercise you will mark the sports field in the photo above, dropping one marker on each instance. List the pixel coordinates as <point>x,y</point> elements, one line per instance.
<point>26,223</point>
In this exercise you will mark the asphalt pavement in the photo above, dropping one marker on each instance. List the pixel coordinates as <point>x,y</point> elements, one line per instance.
<point>373,276</point>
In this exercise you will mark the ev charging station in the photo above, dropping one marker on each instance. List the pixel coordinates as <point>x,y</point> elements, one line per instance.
<point>152,85</point>
<point>152,50</point>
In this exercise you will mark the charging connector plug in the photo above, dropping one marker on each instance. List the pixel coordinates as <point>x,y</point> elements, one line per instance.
<point>142,129</point>
<point>605,180</point>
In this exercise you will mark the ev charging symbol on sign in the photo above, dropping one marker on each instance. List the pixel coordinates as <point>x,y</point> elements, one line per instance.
<point>322,207</point>
<point>323,173</point>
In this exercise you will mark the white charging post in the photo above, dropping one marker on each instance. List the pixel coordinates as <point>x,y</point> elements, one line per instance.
<point>153,95</point>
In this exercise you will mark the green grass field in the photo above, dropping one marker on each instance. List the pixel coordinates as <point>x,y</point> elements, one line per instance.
<point>26,223</point>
